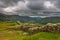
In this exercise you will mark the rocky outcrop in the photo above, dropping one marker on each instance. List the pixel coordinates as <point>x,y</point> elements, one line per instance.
<point>31,28</point>
<point>34,28</point>
<point>52,27</point>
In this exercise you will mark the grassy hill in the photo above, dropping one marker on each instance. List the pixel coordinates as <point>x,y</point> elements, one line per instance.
<point>9,21</point>
<point>21,35</point>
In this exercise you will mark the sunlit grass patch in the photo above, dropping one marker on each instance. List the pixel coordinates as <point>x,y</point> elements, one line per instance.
<point>4,25</point>
<point>43,36</point>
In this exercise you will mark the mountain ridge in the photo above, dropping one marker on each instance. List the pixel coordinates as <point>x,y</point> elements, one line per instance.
<point>29,19</point>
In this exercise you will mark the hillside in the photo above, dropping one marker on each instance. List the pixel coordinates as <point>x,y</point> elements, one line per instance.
<point>51,20</point>
<point>20,18</point>
<point>29,31</point>
<point>4,17</point>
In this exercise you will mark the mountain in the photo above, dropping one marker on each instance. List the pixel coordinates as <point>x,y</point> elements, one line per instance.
<point>45,20</point>
<point>50,20</point>
<point>20,18</point>
<point>23,18</point>
<point>3,17</point>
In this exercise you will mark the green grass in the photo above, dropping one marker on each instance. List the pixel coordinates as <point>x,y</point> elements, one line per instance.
<point>4,25</point>
<point>44,36</point>
<point>20,35</point>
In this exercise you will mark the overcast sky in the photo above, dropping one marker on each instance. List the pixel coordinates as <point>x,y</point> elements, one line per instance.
<point>30,7</point>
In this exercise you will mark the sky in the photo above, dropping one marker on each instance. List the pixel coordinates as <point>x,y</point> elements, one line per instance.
<point>30,7</point>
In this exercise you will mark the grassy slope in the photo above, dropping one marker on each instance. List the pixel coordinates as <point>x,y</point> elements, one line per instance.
<point>20,35</point>
<point>4,25</point>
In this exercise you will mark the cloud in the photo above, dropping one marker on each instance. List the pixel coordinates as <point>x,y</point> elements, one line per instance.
<point>35,4</point>
<point>29,7</point>
<point>18,6</point>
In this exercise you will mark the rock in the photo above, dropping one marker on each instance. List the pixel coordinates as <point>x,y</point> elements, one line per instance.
<point>33,30</point>
<point>51,28</point>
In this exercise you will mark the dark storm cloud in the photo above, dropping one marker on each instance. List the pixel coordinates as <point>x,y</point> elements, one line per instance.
<point>2,4</point>
<point>9,2</point>
<point>29,7</point>
<point>57,3</point>
<point>35,4</point>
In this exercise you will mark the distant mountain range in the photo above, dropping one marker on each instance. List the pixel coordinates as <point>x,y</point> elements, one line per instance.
<point>45,20</point>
